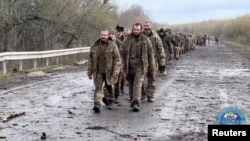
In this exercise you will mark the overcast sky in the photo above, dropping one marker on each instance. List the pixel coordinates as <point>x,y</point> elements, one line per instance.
<point>186,11</point>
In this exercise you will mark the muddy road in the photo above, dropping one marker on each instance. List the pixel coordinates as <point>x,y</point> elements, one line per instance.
<point>196,87</point>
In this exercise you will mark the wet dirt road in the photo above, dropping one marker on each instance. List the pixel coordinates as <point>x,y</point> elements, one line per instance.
<point>196,87</point>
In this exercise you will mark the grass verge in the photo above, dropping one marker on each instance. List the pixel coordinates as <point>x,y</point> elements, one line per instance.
<point>247,47</point>
<point>10,74</point>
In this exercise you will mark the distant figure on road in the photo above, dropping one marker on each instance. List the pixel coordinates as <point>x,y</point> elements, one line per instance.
<point>208,39</point>
<point>216,40</point>
<point>104,65</point>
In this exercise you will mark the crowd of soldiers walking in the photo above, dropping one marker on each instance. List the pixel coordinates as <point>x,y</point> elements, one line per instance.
<point>135,58</point>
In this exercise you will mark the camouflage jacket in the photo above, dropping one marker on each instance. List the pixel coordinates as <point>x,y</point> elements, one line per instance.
<point>113,61</point>
<point>148,60</point>
<point>159,51</point>
<point>119,45</point>
<point>172,39</point>
<point>177,39</point>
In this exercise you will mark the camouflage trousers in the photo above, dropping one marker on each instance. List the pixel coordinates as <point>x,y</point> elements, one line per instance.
<point>148,87</point>
<point>176,52</point>
<point>167,54</point>
<point>99,81</point>
<point>135,81</point>
<point>186,48</point>
<point>182,49</point>
<point>119,85</point>
<point>123,80</point>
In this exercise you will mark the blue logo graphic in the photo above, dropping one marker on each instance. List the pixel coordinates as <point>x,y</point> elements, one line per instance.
<point>230,116</point>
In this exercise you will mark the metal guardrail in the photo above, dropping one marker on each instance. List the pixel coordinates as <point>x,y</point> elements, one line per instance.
<point>8,56</point>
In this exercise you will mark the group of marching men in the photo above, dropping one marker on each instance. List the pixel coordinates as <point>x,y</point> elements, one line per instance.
<point>137,57</point>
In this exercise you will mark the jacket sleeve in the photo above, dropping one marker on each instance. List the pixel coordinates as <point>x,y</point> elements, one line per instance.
<point>173,41</point>
<point>117,60</point>
<point>90,62</point>
<point>121,50</point>
<point>151,58</point>
<point>168,41</point>
<point>161,52</point>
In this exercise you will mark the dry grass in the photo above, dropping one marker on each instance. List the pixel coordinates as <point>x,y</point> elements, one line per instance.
<point>247,47</point>
<point>10,74</point>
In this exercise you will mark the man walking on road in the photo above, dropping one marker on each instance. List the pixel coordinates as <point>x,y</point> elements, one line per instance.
<point>104,65</point>
<point>118,86</point>
<point>139,60</point>
<point>216,40</point>
<point>160,62</point>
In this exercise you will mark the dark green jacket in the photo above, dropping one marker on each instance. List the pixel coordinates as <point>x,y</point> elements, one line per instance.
<point>148,60</point>
<point>113,61</point>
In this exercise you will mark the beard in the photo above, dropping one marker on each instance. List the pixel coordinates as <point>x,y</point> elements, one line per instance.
<point>162,34</point>
<point>136,36</point>
<point>147,32</point>
<point>103,39</point>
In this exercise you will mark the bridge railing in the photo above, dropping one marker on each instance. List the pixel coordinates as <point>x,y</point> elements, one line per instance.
<point>34,55</point>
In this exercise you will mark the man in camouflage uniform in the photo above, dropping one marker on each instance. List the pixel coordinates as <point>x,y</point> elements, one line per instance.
<point>204,39</point>
<point>139,60</point>
<point>216,40</point>
<point>118,86</point>
<point>104,65</point>
<point>186,43</point>
<point>208,39</point>
<point>127,32</point>
<point>160,61</point>
<point>177,49</point>
<point>170,35</point>
<point>166,45</point>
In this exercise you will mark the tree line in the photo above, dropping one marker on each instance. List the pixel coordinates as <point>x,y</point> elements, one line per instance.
<point>236,30</point>
<point>37,25</point>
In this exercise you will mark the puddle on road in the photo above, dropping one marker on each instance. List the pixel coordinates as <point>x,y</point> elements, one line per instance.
<point>234,72</point>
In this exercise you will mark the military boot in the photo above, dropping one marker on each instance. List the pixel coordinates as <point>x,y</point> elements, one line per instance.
<point>105,101</point>
<point>97,107</point>
<point>143,96</point>
<point>117,97</point>
<point>135,106</point>
<point>150,99</point>
<point>111,104</point>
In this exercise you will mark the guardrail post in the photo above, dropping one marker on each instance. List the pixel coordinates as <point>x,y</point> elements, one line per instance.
<point>4,67</point>
<point>21,65</point>
<point>47,61</point>
<point>57,60</point>
<point>35,64</point>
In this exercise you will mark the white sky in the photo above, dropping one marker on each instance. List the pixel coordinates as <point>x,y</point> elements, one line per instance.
<point>186,11</point>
